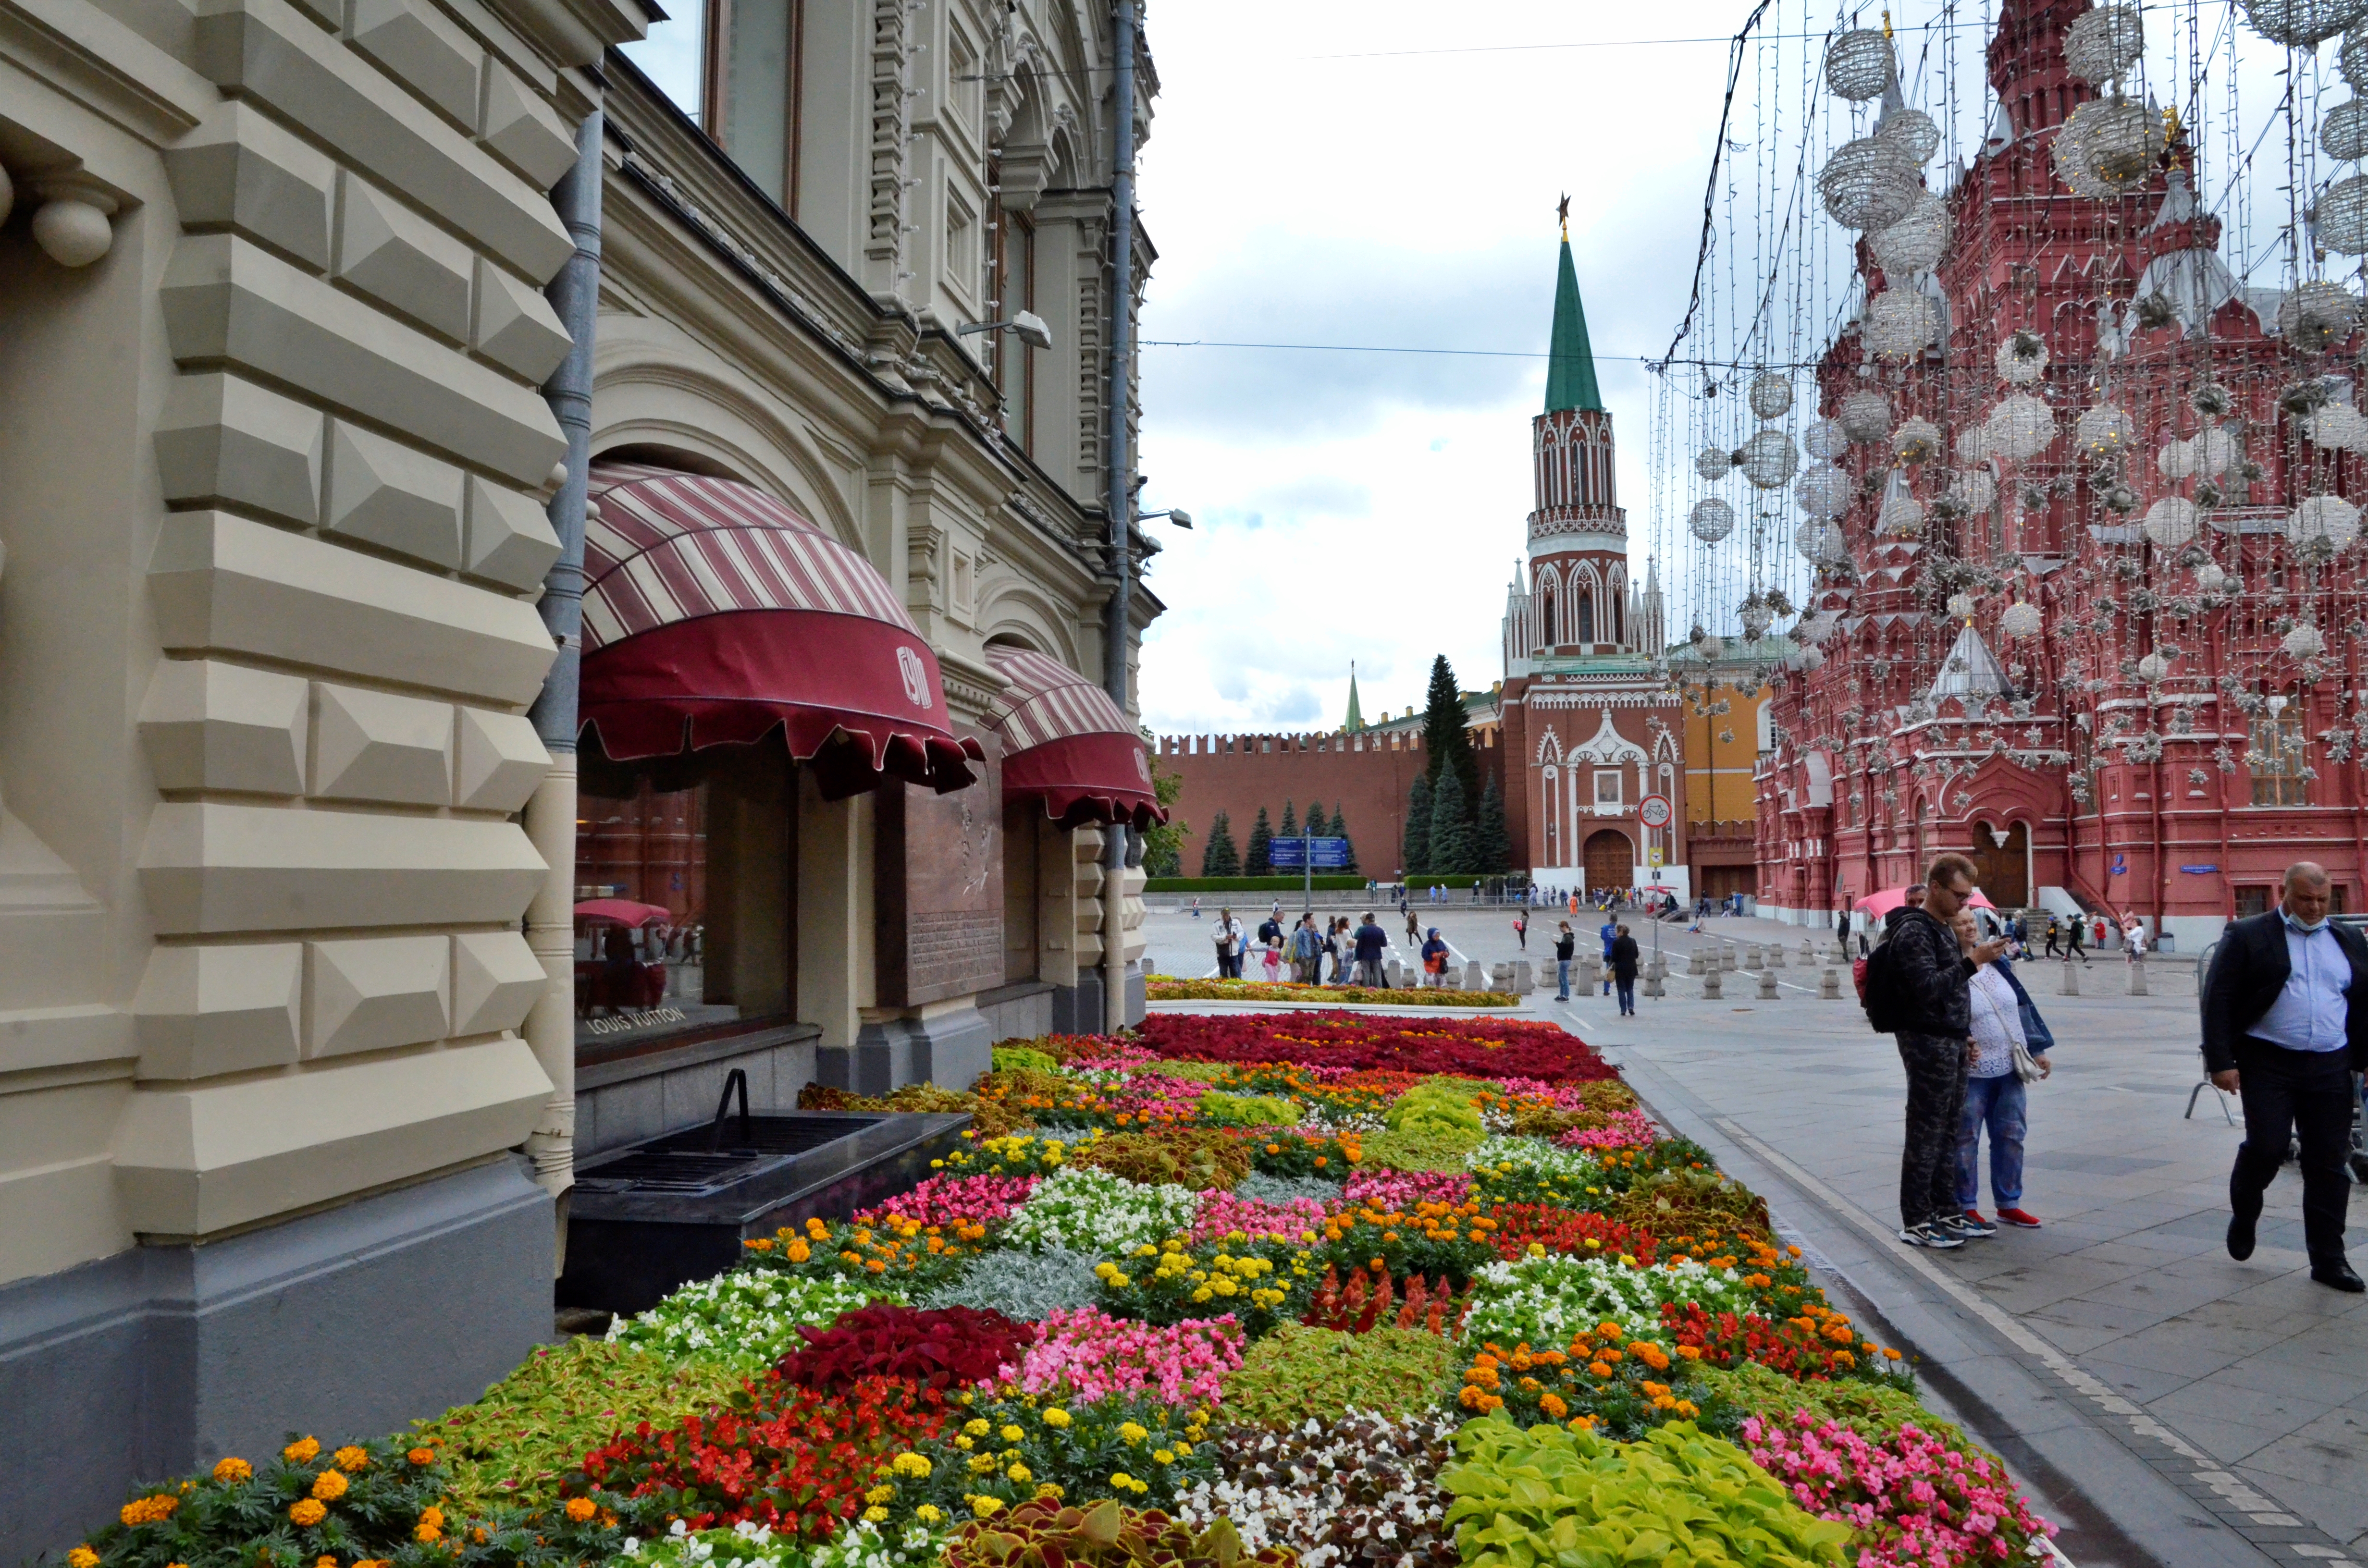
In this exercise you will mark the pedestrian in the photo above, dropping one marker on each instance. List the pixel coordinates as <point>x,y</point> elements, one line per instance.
<point>1434,960</point>
<point>1841,927</point>
<point>1566,947</point>
<point>1370,940</point>
<point>1228,933</point>
<point>1306,950</point>
<point>2055,944</point>
<point>1270,956</point>
<point>2077,929</point>
<point>1196,908</point>
<point>2134,941</point>
<point>1414,930</point>
<point>1607,934</point>
<point>1522,931</point>
<point>1270,931</point>
<point>1926,982</point>
<point>1623,971</point>
<point>2286,1024</point>
<point>1332,929</point>
<point>2008,1041</point>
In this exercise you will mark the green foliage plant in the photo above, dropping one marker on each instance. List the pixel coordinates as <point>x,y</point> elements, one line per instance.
<point>1249,1110</point>
<point>1874,1410</point>
<point>1297,1373</point>
<point>530,1430</point>
<point>1550,1497</point>
<point>1435,1105</point>
<point>1011,1058</point>
<point>1431,1149</point>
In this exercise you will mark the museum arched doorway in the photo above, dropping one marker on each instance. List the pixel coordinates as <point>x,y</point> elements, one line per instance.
<point>1610,860</point>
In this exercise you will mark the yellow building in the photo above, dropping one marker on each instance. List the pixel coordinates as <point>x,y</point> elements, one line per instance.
<point>1726,728</point>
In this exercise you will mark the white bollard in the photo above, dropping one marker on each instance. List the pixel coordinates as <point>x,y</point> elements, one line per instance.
<point>1710,983</point>
<point>1751,959</point>
<point>2071,980</point>
<point>1829,986</point>
<point>2137,977</point>
<point>1768,985</point>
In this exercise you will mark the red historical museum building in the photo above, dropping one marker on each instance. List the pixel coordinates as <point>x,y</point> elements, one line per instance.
<point>2120,669</point>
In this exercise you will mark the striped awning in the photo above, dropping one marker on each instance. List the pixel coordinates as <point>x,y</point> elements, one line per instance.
<point>713,614</point>
<point>1066,743</point>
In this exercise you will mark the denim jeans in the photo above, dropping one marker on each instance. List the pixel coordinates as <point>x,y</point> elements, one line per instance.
<point>1562,979</point>
<point>1627,996</point>
<point>2003,1105</point>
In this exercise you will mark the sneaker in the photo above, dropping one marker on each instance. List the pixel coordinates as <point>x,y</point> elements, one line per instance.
<point>2021,1218</point>
<point>1929,1235</point>
<point>1971,1224</point>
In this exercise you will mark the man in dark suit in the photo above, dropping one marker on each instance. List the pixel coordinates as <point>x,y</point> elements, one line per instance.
<point>2285,1017</point>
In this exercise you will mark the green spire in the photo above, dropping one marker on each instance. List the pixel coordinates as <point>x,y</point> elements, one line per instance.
<point>1355,722</point>
<point>1570,363</point>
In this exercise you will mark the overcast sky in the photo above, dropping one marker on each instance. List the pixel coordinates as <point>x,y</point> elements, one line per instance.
<point>1384,175</point>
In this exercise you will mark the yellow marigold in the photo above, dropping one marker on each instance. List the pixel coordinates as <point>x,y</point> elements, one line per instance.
<point>81,1557</point>
<point>1056,1419</point>
<point>421,1456</point>
<point>330,1485</point>
<point>1019,1475</point>
<point>985,1508</point>
<point>875,1514</point>
<point>307,1511</point>
<point>581,1509</point>
<point>1049,1491</point>
<point>352,1457</point>
<point>911,1465</point>
<point>1122,1480</point>
<point>929,1512</point>
<point>881,1494</point>
<point>1132,1434</point>
<point>1011,1434</point>
<point>301,1451</point>
<point>232,1469</point>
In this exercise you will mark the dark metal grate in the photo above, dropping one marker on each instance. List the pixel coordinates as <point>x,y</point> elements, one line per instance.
<point>764,1135</point>
<point>688,1162</point>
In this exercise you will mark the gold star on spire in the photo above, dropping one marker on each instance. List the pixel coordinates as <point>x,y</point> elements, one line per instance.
<point>1562,210</point>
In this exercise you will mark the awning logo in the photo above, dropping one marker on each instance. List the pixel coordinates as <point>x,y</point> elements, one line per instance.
<point>917,678</point>
<point>1141,768</point>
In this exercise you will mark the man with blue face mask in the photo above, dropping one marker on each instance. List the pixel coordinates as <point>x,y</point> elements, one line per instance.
<point>2285,1023</point>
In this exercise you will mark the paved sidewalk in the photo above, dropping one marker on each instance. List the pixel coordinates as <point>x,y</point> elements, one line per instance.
<point>2208,1411</point>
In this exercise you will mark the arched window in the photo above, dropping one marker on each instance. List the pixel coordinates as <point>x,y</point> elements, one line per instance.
<point>1547,627</point>
<point>2277,759</point>
<point>1586,617</point>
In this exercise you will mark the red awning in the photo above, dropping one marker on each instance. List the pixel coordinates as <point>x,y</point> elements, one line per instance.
<point>1066,742</point>
<point>713,614</point>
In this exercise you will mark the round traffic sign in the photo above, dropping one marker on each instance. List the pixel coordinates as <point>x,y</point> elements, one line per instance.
<point>1655,811</point>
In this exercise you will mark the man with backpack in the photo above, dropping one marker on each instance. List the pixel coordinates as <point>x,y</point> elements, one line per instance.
<point>1917,990</point>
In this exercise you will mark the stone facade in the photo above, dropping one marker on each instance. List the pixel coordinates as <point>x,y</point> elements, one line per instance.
<point>275,1028</point>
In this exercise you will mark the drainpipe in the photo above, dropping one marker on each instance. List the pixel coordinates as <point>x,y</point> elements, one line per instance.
<point>551,814</point>
<point>1117,634</point>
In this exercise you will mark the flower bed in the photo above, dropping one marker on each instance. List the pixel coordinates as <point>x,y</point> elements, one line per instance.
<point>1167,988</point>
<point>1334,1290</point>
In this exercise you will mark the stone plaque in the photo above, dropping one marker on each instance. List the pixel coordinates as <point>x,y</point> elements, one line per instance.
<point>941,887</point>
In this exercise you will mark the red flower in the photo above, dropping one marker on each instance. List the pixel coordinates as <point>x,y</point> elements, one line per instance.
<point>1479,1048</point>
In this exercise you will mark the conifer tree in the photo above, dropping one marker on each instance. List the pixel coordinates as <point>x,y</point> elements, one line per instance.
<point>1444,735</point>
<point>1416,850</point>
<point>1494,845</point>
<point>1317,826</point>
<point>1339,830</point>
<point>1451,826</point>
<point>1219,856</point>
<point>1290,828</point>
<point>1258,860</point>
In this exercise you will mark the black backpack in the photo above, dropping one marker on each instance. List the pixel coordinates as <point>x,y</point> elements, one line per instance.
<point>1881,992</point>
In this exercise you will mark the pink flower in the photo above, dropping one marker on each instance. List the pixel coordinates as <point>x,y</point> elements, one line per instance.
<point>1088,1355</point>
<point>1403,1189</point>
<point>1221,1214</point>
<point>955,1200</point>
<point>1882,1489</point>
<point>1629,1130</point>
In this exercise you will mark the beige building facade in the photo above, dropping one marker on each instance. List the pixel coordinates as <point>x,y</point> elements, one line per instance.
<point>303,1027</point>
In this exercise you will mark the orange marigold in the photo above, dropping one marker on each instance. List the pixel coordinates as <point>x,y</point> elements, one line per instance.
<point>302,1451</point>
<point>81,1557</point>
<point>231,1471</point>
<point>421,1456</point>
<point>330,1485</point>
<point>308,1511</point>
<point>352,1457</point>
<point>581,1509</point>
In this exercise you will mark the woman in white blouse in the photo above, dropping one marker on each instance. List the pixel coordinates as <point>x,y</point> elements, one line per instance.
<point>1993,1090</point>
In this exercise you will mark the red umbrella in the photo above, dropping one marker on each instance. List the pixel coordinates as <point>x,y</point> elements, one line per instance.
<point>622,911</point>
<point>1880,903</point>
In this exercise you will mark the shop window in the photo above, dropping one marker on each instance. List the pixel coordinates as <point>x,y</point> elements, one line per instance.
<point>2277,759</point>
<point>684,887</point>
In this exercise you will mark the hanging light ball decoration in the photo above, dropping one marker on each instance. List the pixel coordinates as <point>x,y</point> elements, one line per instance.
<point>1916,241</point>
<point>2215,451</point>
<point>2209,577</point>
<point>2021,619</point>
<point>2104,430</point>
<point>2318,316</point>
<point>1902,515</point>
<point>2352,60</point>
<point>2171,521</point>
<point>1960,607</point>
<point>1860,65</point>
<point>2101,45</point>
<point>1865,416</point>
<point>1823,492</point>
<point>1756,618</point>
<point>1869,184</point>
<point>1809,661</point>
<point>1974,490</point>
<point>1823,439</point>
<point>2152,668</point>
<point>2021,357</point>
<point>1709,647</point>
<point>1916,440</point>
<point>1898,324</point>
<point>2338,428</point>
<point>2304,641</point>
<point>2019,428</point>
<point>1770,396</point>
<point>2212,399</point>
<point>1711,520</point>
<point>1810,539</point>
<point>1912,130</point>
<point>1713,462</point>
<point>2343,216</point>
<point>2343,134</point>
<point>2177,461</point>
<point>1767,460</point>
<point>2330,518</point>
<point>2121,141</point>
<point>2301,24</point>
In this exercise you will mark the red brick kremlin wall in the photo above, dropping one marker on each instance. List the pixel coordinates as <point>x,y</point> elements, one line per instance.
<point>1366,775</point>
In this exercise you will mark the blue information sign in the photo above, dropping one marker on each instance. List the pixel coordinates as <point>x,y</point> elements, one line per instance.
<point>1302,854</point>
